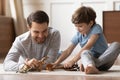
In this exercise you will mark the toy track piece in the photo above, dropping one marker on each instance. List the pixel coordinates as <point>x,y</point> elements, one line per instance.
<point>27,68</point>
<point>49,67</point>
<point>24,69</point>
<point>75,67</point>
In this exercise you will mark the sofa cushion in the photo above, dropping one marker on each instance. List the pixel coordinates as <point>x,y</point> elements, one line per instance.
<point>6,34</point>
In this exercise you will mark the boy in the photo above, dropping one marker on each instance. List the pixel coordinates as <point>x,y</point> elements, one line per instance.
<point>95,54</point>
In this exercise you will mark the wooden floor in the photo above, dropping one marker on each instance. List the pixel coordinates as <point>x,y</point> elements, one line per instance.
<point>112,74</point>
<point>55,77</point>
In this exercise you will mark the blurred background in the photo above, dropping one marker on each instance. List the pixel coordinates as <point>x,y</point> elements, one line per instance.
<point>59,11</point>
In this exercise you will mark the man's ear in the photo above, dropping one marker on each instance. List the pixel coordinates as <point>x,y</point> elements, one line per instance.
<point>28,27</point>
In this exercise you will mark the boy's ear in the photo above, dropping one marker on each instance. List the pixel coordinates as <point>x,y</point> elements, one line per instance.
<point>91,23</point>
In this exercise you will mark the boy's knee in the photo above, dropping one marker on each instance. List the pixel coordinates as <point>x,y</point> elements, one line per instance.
<point>115,44</point>
<point>85,52</point>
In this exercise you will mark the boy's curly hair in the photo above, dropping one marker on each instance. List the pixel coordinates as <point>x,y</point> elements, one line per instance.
<point>84,15</point>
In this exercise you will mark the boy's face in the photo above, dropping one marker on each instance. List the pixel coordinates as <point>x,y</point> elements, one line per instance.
<point>39,32</point>
<point>83,28</point>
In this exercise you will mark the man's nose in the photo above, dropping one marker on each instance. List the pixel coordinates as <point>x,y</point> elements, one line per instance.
<point>41,35</point>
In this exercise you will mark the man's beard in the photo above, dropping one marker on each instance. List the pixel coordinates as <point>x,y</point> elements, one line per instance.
<point>39,40</point>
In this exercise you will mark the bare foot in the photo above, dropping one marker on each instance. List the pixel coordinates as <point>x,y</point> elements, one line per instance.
<point>81,68</point>
<point>91,70</point>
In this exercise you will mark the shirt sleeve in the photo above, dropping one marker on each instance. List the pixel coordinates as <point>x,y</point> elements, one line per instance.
<point>54,47</point>
<point>96,29</point>
<point>75,39</point>
<point>12,58</point>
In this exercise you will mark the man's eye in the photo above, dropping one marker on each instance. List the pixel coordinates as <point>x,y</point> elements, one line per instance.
<point>36,32</point>
<point>80,26</point>
<point>45,31</point>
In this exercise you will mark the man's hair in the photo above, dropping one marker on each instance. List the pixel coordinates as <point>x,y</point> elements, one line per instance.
<point>38,17</point>
<point>84,15</point>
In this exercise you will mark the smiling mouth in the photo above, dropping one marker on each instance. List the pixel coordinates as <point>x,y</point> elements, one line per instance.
<point>40,39</point>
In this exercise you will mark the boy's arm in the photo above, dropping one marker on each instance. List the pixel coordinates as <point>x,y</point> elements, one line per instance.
<point>65,54</point>
<point>87,46</point>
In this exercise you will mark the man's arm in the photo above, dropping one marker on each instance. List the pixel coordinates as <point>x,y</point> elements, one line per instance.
<point>12,58</point>
<point>53,47</point>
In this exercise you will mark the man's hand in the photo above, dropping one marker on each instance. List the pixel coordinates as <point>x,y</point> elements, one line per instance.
<point>33,63</point>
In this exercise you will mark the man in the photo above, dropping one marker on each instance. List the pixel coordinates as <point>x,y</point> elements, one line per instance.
<point>38,42</point>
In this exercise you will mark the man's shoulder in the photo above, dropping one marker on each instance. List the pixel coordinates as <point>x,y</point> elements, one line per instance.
<point>24,37</point>
<point>53,30</point>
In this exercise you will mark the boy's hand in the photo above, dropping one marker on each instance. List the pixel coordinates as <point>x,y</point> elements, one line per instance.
<point>69,64</point>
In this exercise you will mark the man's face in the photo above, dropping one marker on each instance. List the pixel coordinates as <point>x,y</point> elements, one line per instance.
<point>39,32</point>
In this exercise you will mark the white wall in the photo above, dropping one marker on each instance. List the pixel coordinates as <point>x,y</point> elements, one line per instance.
<point>60,12</point>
